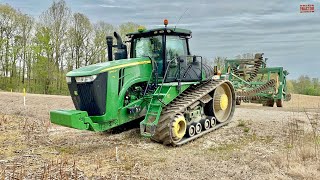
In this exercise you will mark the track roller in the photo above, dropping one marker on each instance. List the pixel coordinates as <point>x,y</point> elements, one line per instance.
<point>213,121</point>
<point>198,128</point>
<point>206,124</point>
<point>191,130</point>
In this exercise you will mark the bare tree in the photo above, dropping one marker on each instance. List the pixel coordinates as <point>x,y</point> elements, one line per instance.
<point>56,19</point>
<point>101,30</point>
<point>219,62</point>
<point>26,25</point>
<point>79,38</point>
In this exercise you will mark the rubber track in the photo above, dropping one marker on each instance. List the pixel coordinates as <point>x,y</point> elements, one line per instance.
<point>180,105</point>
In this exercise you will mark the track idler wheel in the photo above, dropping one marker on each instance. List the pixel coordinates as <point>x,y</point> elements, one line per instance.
<point>178,127</point>
<point>222,104</point>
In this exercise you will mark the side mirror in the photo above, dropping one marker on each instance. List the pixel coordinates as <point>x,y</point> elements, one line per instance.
<point>194,58</point>
<point>180,60</point>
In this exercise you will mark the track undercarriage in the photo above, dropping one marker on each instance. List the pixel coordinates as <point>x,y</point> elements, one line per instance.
<point>197,111</point>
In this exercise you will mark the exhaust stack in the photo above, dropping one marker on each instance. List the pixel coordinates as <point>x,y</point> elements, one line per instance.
<point>121,48</point>
<point>109,46</point>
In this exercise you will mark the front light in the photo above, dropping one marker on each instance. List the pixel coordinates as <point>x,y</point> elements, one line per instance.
<point>86,79</point>
<point>68,79</point>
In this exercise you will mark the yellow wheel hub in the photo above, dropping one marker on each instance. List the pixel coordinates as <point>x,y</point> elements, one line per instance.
<point>224,102</point>
<point>179,127</point>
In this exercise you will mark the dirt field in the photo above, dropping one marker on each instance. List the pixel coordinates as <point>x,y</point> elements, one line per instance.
<point>261,143</point>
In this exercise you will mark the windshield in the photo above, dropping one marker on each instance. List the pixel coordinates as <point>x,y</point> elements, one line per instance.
<point>149,47</point>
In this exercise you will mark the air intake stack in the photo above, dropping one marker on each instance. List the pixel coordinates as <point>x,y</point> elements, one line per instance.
<point>121,48</point>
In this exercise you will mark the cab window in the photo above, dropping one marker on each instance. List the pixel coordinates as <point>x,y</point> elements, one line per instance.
<point>176,46</point>
<point>149,47</point>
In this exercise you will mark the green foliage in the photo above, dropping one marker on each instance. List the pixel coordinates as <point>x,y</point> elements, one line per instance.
<point>305,85</point>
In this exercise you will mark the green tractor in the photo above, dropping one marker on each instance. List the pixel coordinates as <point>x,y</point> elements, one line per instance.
<point>177,97</point>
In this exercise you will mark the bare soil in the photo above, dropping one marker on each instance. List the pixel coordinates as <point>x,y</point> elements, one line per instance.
<point>261,143</point>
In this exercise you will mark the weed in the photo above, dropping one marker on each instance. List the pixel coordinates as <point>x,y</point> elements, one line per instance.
<point>67,149</point>
<point>241,123</point>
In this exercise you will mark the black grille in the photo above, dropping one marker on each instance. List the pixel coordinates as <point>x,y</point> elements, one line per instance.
<point>90,97</point>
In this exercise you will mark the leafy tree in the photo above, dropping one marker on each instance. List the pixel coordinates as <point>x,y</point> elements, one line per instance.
<point>219,62</point>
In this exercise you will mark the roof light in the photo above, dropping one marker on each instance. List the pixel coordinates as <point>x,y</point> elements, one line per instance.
<point>165,22</point>
<point>141,28</point>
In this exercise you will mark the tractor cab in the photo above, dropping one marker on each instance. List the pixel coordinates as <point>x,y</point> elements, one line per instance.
<point>168,48</point>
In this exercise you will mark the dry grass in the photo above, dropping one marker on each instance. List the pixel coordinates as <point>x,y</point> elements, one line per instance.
<point>300,158</point>
<point>255,146</point>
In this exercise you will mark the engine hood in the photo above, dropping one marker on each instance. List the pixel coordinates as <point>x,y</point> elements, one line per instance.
<point>107,66</point>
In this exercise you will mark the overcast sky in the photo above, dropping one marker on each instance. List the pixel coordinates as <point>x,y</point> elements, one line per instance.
<point>220,28</point>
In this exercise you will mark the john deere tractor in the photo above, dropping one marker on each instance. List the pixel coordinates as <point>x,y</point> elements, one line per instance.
<point>177,97</point>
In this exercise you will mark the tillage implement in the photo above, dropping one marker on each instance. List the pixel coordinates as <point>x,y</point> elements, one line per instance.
<point>175,94</point>
<point>256,83</point>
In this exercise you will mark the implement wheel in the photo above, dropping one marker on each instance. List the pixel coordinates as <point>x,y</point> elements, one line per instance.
<point>222,104</point>
<point>279,102</point>
<point>270,103</point>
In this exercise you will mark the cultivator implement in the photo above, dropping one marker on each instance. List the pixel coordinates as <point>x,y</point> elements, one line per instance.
<point>256,83</point>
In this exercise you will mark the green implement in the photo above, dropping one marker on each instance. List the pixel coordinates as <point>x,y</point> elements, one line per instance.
<point>256,83</point>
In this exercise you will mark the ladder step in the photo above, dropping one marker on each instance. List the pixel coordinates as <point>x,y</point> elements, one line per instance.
<point>156,111</point>
<point>153,114</point>
<point>152,104</point>
<point>160,94</point>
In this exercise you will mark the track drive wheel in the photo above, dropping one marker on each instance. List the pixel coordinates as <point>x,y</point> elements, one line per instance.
<point>222,104</point>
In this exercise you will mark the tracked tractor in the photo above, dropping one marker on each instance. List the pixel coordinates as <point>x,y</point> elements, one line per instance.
<point>175,94</point>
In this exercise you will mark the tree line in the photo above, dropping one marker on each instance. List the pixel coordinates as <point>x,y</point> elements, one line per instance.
<point>304,85</point>
<point>36,53</point>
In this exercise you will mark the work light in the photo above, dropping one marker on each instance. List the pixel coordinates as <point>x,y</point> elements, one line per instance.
<point>86,79</point>
<point>68,79</point>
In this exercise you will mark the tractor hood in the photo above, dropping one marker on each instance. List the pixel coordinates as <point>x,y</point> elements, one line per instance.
<point>107,66</point>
